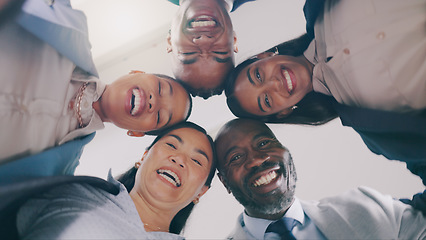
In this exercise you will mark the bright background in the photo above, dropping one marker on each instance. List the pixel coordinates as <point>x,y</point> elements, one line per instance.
<point>131,35</point>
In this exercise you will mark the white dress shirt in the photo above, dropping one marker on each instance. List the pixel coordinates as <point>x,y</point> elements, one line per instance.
<point>371,53</point>
<point>304,228</point>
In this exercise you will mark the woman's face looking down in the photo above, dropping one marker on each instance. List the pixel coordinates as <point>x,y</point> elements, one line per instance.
<point>173,172</point>
<point>273,84</point>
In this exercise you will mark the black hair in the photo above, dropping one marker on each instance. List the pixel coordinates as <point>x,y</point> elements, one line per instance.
<point>314,109</point>
<point>10,11</point>
<point>179,220</point>
<point>156,132</point>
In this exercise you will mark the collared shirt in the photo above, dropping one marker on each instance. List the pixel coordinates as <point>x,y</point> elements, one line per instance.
<point>37,85</point>
<point>371,53</point>
<point>304,228</point>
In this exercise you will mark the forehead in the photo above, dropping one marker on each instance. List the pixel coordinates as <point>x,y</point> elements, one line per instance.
<point>240,134</point>
<point>192,138</point>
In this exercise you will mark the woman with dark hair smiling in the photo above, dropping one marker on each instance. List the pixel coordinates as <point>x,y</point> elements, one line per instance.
<point>365,65</point>
<point>155,197</point>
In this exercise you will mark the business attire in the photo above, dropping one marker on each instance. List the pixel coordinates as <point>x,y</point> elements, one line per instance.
<point>361,213</point>
<point>44,62</point>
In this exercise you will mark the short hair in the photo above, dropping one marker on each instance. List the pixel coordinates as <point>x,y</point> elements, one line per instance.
<point>179,220</point>
<point>156,132</point>
<point>314,109</point>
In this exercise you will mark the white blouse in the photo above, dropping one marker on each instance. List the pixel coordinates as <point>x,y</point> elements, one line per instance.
<point>37,85</point>
<point>371,53</point>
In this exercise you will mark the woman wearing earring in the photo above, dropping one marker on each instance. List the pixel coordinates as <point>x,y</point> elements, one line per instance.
<point>366,65</point>
<point>154,201</point>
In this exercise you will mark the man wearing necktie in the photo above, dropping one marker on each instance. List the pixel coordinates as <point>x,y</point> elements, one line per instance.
<point>259,171</point>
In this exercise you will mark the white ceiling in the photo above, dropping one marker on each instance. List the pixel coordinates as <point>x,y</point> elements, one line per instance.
<point>130,34</point>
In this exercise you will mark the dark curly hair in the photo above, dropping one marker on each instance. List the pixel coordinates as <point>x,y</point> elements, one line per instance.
<point>314,109</point>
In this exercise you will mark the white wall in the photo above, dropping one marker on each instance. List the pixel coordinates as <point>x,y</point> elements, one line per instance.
<point>329,159</point>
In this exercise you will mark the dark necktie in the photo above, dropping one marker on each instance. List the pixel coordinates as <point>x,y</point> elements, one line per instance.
<point>283,228</point>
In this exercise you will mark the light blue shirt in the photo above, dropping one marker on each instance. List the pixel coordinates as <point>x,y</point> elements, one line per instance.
<point>304,228</point>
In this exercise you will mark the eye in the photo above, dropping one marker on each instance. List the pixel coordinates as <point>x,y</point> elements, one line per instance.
<point>220,53</point>
<point>188,53</point>
<point>235,158</point>
<point>263,143</point>
<point>171,145</point>
<point>267,102</point>
<point>257,74</point>
<point>196,161</point>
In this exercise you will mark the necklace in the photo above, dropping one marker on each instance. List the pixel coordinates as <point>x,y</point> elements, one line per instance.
<point>155,229</point>
<point>77,107</point>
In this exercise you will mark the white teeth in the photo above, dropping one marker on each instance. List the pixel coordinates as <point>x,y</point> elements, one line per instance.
<point>203,23</point>
<point>288,79</point>
<point>265,179</point>
<point>137,102</point>
<point>170,176</point>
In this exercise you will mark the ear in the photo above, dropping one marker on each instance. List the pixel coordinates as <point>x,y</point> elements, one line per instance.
<point>169,43</point>
<point>265,55</point>
<point>224,183</point>
<point>235,43</point>
<point>135,133</point>
<point>284,113</point>
<point>202,192</point>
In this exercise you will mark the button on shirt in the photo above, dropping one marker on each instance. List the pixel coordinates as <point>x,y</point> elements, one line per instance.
<point>304,228</point>
<point>371,53</point>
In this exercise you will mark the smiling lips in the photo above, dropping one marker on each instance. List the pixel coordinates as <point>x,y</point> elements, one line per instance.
<point>265,179</point>
<point>203,21</point>
<point>170,176</point>
<point>137,102</point>
<point>287,78</point>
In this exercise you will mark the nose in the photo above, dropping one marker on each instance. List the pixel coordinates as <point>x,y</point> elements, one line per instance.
<point>152,102</point>
<point>203,40</point>
<point>274,84</point>
<point>256,159</point>
<point>178,159</point>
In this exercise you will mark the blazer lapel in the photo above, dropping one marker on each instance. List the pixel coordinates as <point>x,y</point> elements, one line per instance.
<point>62,27</point>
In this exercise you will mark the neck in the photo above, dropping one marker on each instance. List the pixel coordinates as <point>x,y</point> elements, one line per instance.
<point>98,109</point>
<point>153,218</point>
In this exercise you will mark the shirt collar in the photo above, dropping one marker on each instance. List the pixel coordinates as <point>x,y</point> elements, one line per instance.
<point>257,226</point>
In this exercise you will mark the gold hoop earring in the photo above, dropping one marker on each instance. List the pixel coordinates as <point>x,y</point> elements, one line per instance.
<point>195,201</point>
<point>137,164</point>
<point>294,107</point>
<point>135,71</point>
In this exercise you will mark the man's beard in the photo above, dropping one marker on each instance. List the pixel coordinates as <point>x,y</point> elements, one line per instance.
<point>279,201</point>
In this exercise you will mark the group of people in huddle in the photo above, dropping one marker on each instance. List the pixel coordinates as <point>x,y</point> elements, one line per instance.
<point>361,61</point>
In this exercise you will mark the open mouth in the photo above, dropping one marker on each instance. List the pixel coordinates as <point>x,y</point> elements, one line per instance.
<point>265,179</point>
<point>287,77</point>
<point>136,102</point>
<point>170,176</point>
<point>202,21</point>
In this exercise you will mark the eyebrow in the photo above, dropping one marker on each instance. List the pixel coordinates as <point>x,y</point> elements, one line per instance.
<point>177,137</point>
<point>203,153</point>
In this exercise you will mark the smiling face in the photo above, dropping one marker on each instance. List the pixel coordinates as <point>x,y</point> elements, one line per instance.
<point>202,43</point>
<point>256,168</point>
<point>175,169</point>
<point>144,102</point>
<point>273,84</point>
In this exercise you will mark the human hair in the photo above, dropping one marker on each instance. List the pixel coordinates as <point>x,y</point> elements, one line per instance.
<point>179,220</point>
<point>156,132</point>
<point>314,109</point>
<point>10,10</point>
<point>202,92</point>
